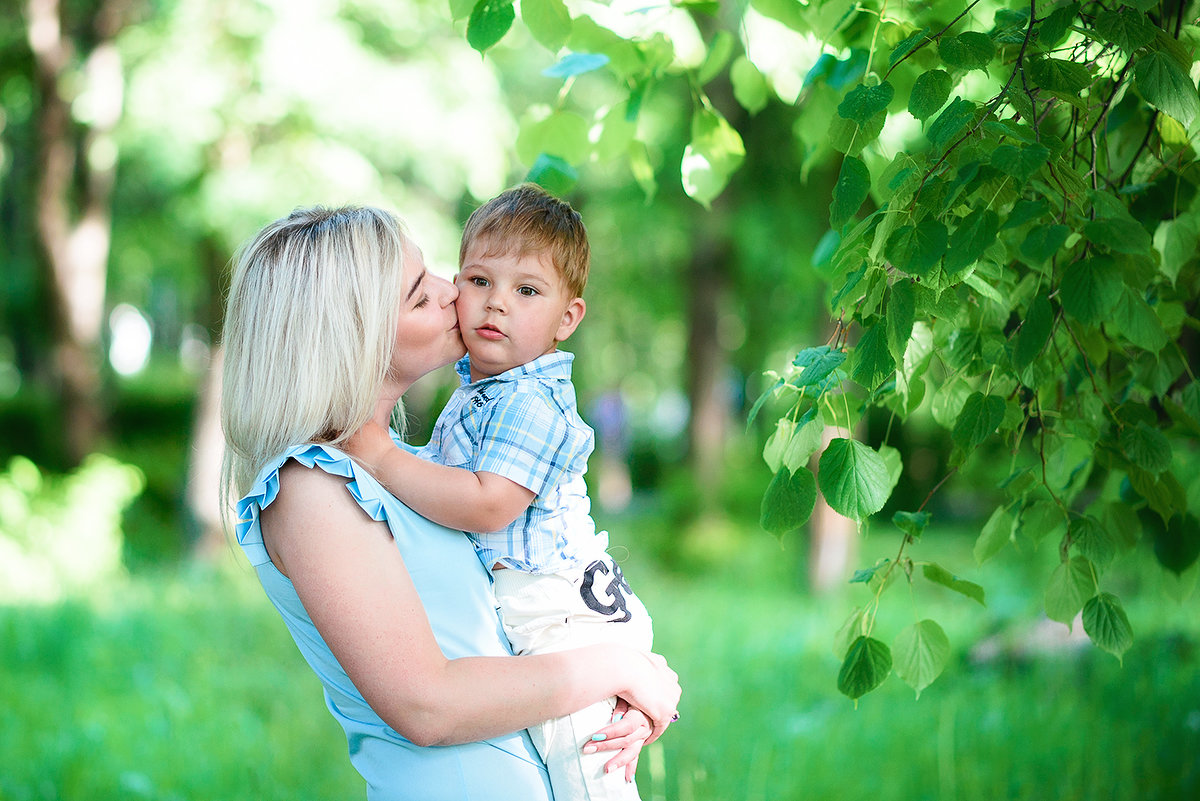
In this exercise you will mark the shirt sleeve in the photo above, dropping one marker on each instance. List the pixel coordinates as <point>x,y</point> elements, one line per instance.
<point>529,440</point>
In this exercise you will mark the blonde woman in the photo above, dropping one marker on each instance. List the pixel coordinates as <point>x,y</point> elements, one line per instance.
<point>331,317</point>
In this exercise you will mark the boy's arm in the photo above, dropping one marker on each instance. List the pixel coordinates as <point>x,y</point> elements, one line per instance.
<point>451,496</point>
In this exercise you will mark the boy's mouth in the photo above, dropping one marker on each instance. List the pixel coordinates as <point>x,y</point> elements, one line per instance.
<point>489,332</point>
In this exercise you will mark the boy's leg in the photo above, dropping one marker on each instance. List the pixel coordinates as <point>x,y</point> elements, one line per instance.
<point>574,775</point>
<point>544,613</point>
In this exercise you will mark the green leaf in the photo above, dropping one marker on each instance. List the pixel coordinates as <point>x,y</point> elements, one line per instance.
<point>1055,26</point>
<point>1162,491</point>
<point>1040,519</point>
<point>1042,242</point>
<point>1058,75</point>
<point>873,362</point>
<point>867,664</point>
<point>921,652</point>
<point>816,364</point>
<point>916,249</point>
<point>1090,289</point>
<point>911,43</point>
<point>789,501</point>
<point>1177,543</point>
<point>1033,334</point>
<point>642,169</point>
<point>548,21</point>
<point>1093,540</point>
<point>1178,240</point>
<point>901,313</point>
<point>864,102</point>
<point>1166,86</point>
<point>1127,29</point>
<point>943,577</point>
<point>894,464</point>
<point>997,532</point>
<point>714,154</point>
<point>975,234</point>
<point>981,415</point>
<point>866,575</point>
<point>461,9</point>
<point>912,523</point>
<point>929,93</point>
<point>562,133</point>
<point>1021,162</point>
<point>950,123</point>
<point>853,185</point>
<point>617,132</point>
<point>1107,625</point>
<point>1137,322</point>
<point>490,20</point>
<point>1024,211</point>
<point>967,51</point>
<point>1122,236</point>
<point>1146,447</point>
<point>791,444</point>
<point>1070,585</point>
<point>720,50</point>
<point>552,174</point>
<point>749,86</point>
<point>853,478</point>
<point>847,633</point>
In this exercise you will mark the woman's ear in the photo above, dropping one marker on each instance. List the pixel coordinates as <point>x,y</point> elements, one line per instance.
<point>572,315</point>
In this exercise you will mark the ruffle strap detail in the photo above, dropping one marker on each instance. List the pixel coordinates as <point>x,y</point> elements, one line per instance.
<point>365,491</point>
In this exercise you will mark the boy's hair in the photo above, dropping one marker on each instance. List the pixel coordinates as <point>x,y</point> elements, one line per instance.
<point>527,219</point>
<point>310,329</point>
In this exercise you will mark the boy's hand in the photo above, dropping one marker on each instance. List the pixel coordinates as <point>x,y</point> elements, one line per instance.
<point>370,445</point>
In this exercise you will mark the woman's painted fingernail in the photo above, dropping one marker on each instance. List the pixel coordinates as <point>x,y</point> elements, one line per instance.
<point>599,737</point>
<point>617,717</point>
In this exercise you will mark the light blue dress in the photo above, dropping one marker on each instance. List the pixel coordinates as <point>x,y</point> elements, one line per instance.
<point>455,592</point>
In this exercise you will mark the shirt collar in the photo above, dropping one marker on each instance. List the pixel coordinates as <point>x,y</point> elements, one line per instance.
<point>555,365</point>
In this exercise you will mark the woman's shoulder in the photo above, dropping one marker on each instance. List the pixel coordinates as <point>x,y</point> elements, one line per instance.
<point>313,475</point>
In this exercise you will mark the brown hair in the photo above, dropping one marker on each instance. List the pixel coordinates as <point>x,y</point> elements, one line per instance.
<point>528,219</point>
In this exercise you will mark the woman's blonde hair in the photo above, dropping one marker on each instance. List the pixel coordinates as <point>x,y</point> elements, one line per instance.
<point>310,327</point>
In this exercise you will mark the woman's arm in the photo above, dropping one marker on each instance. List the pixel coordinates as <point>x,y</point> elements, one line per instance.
<point>451,496</point>
<point>354,584</point>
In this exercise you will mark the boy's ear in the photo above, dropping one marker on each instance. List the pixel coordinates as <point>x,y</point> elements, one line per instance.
<point>570,319</point>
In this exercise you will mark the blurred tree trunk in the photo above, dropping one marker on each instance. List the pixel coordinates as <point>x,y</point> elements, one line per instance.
<point>203,493</point>
<point>76,168</point>
<point>833,539</point>
<point>707,361</point>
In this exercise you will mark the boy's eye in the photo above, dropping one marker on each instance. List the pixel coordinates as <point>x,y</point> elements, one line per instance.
<point>478,281</point>
<point>527,291</point>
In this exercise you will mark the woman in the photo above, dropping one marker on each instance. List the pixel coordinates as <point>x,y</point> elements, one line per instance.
<point>331,317</point>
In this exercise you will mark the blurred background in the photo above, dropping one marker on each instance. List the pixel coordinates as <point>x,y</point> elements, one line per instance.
<point>142,140</point>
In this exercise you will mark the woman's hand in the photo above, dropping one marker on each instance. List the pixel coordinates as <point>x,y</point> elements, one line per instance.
<point>655,692</point>
<point>626,735</point>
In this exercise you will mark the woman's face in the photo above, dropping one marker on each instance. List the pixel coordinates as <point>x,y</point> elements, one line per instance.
<point>427,334</point>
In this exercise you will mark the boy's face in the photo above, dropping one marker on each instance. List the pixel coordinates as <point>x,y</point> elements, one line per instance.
<point>511,310</point>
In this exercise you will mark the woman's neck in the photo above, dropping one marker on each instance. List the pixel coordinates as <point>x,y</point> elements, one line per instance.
<point>389,396</point>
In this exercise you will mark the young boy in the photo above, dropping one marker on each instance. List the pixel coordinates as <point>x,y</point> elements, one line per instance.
<point>507,456</point>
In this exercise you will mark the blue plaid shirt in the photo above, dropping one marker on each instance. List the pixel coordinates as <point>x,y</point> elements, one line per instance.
<point>524,425</point>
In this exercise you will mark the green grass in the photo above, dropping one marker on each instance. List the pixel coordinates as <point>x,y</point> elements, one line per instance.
<point>185,685</point>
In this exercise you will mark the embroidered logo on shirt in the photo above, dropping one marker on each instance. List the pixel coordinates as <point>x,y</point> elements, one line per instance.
<point>480,398</point>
